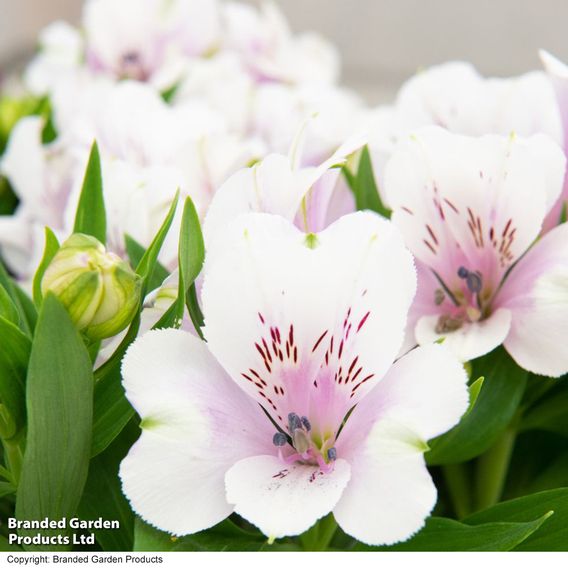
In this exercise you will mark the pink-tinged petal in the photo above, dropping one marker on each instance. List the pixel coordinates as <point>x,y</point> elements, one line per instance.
<point>277,186</point>
<point>284,500</point>
<point>308,323</point>
<point>536,293</point>
<point>558,73</point>
<point>424,392</point>
<point>473,202</point>
<point>423,303</point>
<point>195,425</point>
<point>271,186</point>
<point>390,493</point>
<point>472,340</point>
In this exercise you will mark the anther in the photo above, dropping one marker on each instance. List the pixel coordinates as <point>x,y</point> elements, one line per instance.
<point>306,423</point>
<point>439,296</point>
<point>279,439</point>
<point>332,454</point>
<point>301,441</point>
<point>294,422</point>
<point>474,282</point>
<point>463,272</point>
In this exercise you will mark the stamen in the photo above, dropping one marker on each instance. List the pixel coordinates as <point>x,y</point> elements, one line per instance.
<point>301,441</point>
<point>439,296</point>
<point>463,272</point>
<point>306,423</point>
<point>474,282</point>
<point>294,422</point>
<point>332,454</point>
<point>279,439</point>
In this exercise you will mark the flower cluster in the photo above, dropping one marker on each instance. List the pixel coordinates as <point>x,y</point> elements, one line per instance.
<point>312,322</point>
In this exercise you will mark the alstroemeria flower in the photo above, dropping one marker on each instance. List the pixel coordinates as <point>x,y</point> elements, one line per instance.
<point>293,408</point>
<point>312,197</point>
<point>41,177</point>
<point>470,210</point>
<point>270,50</point>
<point>146,40</point>
<point>456,97</point>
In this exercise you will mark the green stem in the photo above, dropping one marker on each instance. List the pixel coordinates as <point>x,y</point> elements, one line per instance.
<point>459,487</point>
<point>492,468</point>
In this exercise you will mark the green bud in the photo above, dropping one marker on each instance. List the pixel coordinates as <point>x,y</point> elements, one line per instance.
<point>100,291</point>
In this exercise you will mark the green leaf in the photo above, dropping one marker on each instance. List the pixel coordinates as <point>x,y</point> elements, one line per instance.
<point>51,247</point>
<point>226,536</point>
<point>14,357</point>
<point>8,309</point>
<point>552,477</point>
<point>5,546</point>
<point>191,244</point>
<point>553,537</point>
<point>148,262</point>
<point>111,409</point>
<point>551,413</point>
<point>26,309</point>
<point>6,488</point>
<point>191,253</point>
<point>446,535</point>
<point>90,217</point>
<point>474,390</point>
<point>103,496</point>
<point>135,253</point>
<point>59,396</point>
<point>496,405</point>
<point>364,186</point>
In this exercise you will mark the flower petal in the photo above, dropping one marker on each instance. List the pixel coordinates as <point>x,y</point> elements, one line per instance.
<point>424,392</point>
<point>195,425</point>
<point>390,493</point>
<point>473,202</point>
<point>318,316</point>
<point>284,500</point>
<point>536,293</point>
<point>472,339</point>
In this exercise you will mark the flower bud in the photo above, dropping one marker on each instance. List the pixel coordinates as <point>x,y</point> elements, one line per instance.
<point>100,291</point>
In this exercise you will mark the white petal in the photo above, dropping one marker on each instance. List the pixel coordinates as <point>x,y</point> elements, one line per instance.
<point>390,493</point>
<point>472,339</point>
<point>284,500</point>
<point>338,308</point>
<point>424,392</point>
<point>536,292</point>
<point>195,425</point>
<point>473,202</point>
<point>24,160</point>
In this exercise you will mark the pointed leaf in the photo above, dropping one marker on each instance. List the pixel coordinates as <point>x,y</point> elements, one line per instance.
<point>51,247</point>
<point>90,217</point>
<point>552,537</point>
<point>59,395</point>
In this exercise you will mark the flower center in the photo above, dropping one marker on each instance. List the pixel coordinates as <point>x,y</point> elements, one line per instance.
<point>470,303</point>
<point>132,66</point>
<point>308,449</point>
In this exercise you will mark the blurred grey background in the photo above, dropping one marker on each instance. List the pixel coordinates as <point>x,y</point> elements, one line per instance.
<point>381,41</point>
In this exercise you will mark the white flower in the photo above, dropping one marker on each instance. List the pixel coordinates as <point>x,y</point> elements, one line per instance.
<point>470,210</point>
<point>303,328</point>
<point>455,97</point>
